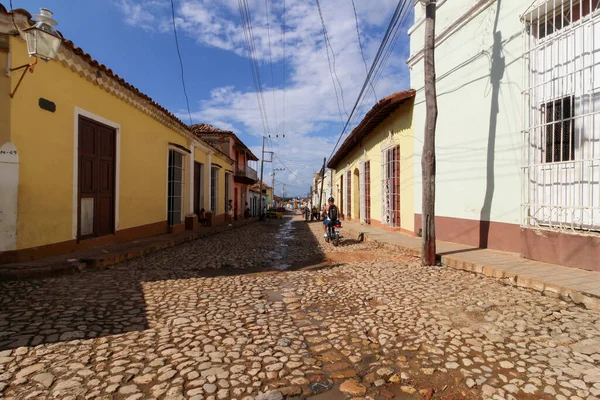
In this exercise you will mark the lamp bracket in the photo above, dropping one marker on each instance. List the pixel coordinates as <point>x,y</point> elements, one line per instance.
<point>25,67</point>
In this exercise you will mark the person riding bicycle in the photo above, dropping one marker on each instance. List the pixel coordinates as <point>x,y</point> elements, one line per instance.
<point>330,213</point>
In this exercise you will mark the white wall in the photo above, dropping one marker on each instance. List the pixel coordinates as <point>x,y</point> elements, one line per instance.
<point>478,155</point>
<point>9,190</point>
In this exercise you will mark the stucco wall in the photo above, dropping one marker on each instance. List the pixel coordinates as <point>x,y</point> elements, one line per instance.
<point>478,149</point>
<point>400,123</point>
<point>47,146</point>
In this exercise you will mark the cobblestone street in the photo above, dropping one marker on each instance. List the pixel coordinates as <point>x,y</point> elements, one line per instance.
<point>271,311</point>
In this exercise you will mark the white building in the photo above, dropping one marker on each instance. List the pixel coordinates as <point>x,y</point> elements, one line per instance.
<point>518,133</point>
<point>322,190</point>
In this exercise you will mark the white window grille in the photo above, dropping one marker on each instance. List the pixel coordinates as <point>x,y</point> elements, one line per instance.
<point>175,187</point>
<point>348,194</point>
<point>214,188</point>
<point>561,133</point>
<point>390,186</point>
<point>365,192</point>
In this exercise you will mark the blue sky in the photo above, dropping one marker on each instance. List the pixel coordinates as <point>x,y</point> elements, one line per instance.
<point>135,39</point>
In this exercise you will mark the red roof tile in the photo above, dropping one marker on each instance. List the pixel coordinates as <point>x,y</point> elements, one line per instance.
<point>380,111</point>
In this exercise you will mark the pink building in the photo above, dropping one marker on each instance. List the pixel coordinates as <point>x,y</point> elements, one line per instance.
<point>244,175</point>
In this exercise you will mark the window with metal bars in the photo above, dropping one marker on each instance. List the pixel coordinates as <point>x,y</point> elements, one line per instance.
<point>560,130</point>
<point>342,194</point>
<point>561,139</point>
<point>391,187</point>
<point>556,15</point>
<point>365,192</point>
<point>214,188</point>
<point>349,194</point>
<point>176,176</point>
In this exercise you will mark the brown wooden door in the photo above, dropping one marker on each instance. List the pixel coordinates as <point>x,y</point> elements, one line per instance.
<point>96,205</point>
<point>197,187</point>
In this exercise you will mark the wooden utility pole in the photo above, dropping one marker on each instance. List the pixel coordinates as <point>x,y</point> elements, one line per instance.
<point>428,157</point>
<point>262,167</point>
<point>322,181</point>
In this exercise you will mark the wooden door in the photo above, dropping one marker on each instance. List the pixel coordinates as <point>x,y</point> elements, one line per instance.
<point>197,188</point>
<point>96,186</point>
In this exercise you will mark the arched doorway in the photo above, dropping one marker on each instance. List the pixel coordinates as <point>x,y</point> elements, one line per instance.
<point>356,195</point>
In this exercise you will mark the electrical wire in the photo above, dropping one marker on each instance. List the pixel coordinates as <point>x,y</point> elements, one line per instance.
<point>187,100</point>
<point>398,18</point>
<point>292,172</point>
<point>284,60</point>
<point>332,71</point>
<point>12,15</point>
<point>362,53</point>
<point>271,62</point>
<point>254,67</point>
<point>381,67</point>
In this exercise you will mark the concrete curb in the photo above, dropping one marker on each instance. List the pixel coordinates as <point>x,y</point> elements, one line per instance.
<point>589,300</point>
<point>52,267</point>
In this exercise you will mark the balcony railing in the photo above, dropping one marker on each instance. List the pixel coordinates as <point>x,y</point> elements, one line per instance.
<point>247,172</point>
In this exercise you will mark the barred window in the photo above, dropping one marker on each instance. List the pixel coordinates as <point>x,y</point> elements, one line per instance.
<point>175,188</point>
<point>214,187</point>
<point>560,132</point>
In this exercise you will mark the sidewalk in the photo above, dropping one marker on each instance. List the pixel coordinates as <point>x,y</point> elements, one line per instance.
<point>580,286</point>
<point>104,256</point>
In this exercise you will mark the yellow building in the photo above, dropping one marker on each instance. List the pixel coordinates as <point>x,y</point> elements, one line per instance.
<point>373,179</point>
<point>87,159</point>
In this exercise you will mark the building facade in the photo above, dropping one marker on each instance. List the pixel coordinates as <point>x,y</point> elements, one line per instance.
<point>243,176</point>
<point>86,159</point>
<point>517,141</point>
<point>322,189</point>
<point>373,180</point>
<point>254,196</point>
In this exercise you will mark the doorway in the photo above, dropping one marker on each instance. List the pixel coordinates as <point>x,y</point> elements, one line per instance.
<point>96,186</point>
<point>356,195</point>
<point>198,187</point>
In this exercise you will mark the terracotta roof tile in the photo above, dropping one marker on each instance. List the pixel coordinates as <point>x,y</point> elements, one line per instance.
<point>104,69</point>
<point>380,111</point>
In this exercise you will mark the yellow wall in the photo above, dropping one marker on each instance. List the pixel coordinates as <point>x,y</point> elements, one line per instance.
<point>46,145</point>
<point>4,99</point>
<point>400,123</point>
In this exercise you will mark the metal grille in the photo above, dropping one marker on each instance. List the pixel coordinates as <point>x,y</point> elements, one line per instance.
<point>342,194</point>
<point>390,187</point>
<point>561,115</point>
<point>365,192</point>
<point>214,188</point>
<point>175,188</point>
<point>349,194</point>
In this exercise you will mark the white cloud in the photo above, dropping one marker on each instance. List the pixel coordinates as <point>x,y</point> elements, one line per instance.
<point>311,104</point>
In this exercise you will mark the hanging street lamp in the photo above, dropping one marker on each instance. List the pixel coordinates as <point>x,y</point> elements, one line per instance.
<point>43,41</point>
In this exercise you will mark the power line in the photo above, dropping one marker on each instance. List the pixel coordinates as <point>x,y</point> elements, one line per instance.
<point>271,62</point>
<point>293,172</point>
<point>284,60</point>
<point>187,100</point>
<point>12,15</point>
<point>332,71</point>
<point>381,67</point>
<point>380,59</point>
<point>362,53</point>
<point>254,67</point>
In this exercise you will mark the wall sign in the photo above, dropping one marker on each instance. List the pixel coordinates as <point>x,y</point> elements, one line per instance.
<point>47,105</point>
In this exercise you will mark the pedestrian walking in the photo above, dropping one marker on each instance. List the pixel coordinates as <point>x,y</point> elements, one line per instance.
<point>229,215</point>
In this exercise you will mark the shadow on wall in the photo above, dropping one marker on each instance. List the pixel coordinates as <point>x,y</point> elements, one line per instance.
<point>497,68</point>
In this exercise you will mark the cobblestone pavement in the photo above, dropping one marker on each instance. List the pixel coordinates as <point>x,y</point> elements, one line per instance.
<point>222,318</point>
